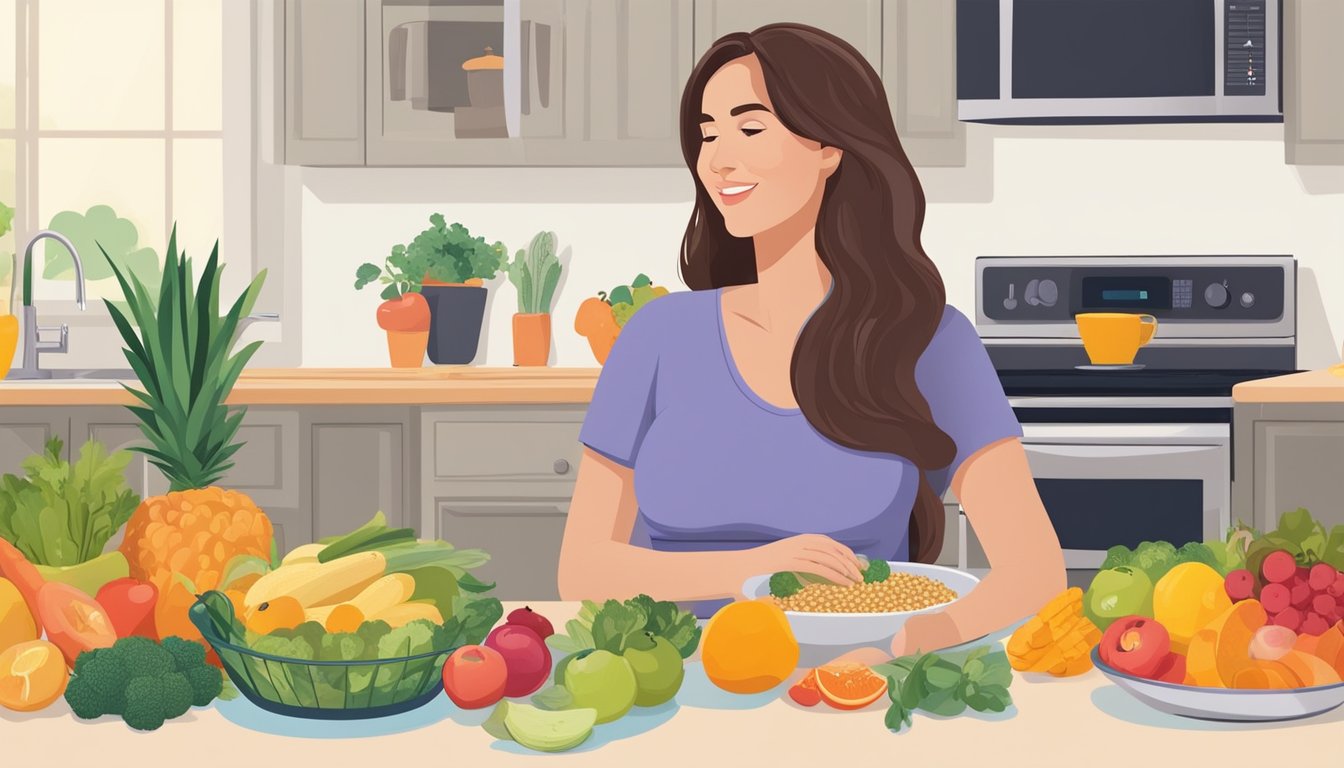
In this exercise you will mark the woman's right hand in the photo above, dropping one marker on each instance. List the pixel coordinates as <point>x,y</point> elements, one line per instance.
<point>808,553</point>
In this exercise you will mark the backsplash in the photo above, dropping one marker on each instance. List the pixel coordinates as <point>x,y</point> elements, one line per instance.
<point>1179,189</point>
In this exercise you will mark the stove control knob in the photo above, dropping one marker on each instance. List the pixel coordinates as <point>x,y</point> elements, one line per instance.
<point>1216,295</point>
<point>1048,293</point>
<point>1248,300</point>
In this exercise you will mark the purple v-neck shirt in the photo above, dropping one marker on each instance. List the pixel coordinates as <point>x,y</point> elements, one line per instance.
<point>717,467</point>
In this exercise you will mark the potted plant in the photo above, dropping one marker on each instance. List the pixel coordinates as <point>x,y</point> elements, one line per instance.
<point>534,272</point>
<point>454,265</point>
<point>601,317</point>
<point>404,313</point>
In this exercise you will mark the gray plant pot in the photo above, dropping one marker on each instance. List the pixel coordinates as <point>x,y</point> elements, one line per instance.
<point>456,313</point>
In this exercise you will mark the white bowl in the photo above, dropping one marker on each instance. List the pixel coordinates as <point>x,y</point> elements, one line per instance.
<point>1236,704</point>
<point>843,629</point>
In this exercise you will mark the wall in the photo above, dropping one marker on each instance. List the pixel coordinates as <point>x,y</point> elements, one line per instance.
<point>1192,189</point>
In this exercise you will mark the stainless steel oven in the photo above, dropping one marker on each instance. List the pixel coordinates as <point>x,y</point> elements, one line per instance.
<point>1141,453</point>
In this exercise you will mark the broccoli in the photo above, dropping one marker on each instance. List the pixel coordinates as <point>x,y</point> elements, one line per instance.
<point>1117,556</point>
<point>785,584</point>
<point>1196,552</point>
<point>371,632</point>
<point>186,654</point>
<point>85,701</point>
<point>142,681</point>
<point>877,571</point>
<point>206,681</point>
<point>1155,558</point>
<point>411,638</point>
<point>143,657</point>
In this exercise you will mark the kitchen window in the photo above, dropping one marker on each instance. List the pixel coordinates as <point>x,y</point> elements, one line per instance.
<point>118,120</point>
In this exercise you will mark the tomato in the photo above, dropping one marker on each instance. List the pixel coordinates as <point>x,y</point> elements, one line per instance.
<point>1136,645</point>
<point>475,676</point>
<point>409,312</point>
<point>130,606</point>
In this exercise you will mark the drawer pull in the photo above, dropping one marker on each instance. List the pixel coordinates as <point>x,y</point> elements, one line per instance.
<point>560,466</point>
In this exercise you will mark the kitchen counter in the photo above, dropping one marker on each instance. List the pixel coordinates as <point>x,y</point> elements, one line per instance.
<point>434,385</point>
<point>1082,721</point>
<point>1325,386</point>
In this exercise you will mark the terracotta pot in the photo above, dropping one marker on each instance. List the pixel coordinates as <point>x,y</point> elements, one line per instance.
<point>407,348</point>
<point>531,338</point>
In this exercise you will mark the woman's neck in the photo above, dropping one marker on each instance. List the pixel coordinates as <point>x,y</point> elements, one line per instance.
<point>791,280</point>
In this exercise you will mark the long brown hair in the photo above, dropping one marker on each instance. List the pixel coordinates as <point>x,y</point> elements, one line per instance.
<point>853,368</point>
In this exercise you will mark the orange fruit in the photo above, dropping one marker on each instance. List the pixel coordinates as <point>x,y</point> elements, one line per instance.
<point>852,686</point>
<point>32,675</point>
<point>748,647</point>
<point>280,613</point>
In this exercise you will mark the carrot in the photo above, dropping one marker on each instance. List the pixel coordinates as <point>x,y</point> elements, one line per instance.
<point>15,567</point>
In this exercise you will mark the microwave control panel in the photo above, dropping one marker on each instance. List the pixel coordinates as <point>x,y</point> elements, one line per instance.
<point>1244,56</point>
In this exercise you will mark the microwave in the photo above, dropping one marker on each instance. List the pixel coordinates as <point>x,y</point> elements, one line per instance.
<point>1050,62</point>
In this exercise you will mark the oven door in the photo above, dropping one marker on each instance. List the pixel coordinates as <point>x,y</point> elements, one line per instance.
<point>1109,484</point>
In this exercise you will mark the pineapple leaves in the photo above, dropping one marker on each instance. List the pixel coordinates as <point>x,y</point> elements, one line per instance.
<point>180,347</point>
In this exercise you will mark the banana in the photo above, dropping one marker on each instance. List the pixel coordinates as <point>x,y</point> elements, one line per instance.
<point>304,554</point>
<point>314,584</point>
<point>405,613</point>
<point>392,589</point>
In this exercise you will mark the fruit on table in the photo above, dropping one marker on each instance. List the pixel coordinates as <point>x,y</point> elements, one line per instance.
<point>1278,567</point>
<point>1171,670</point>
<point>805,691</point>
<point>658,669</point>
<point>1189,596</point>
<point>601,681</point>
<point>527,657</point>
<point>1272,643</point>
<point>130,606</point>
<point>475,676</point>
<point>1239,585</point>
<point>375,599</point>
<point>20,573</point>
<point>526,617</point>
<point>401,615</point>
<point>851,686</point>
<point>1116,592</point>
<point>748,647</point>
<point>1058,640</point>
<point>32,675</point>
<point>539,729</point>
<point>16,621</point>
<point>1136,645</point>
<point>75,622</point>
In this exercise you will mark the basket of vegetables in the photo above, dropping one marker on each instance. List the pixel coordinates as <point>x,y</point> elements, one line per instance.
<point>360,633</point>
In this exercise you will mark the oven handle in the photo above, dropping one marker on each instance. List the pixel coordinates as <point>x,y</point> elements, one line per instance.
<point>1116,451</point>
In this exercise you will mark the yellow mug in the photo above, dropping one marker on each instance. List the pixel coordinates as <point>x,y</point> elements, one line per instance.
<point>1114,338</point>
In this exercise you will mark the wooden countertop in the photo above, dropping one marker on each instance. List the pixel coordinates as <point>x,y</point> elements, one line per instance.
<point>437,385</point>
<point>1079,721</point>
<point>1325,386</point>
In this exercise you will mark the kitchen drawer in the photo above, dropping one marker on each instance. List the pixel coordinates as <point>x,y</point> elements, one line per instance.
<point>522,536</point>
<point>531,451</point>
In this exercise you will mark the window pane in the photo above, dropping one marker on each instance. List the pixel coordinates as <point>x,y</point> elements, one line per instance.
<point>101,65</point>
<point>197,64</point>
<point>7,158</point>
<point>122,180</point>
<point>198,203</point>
<point>9,43</point>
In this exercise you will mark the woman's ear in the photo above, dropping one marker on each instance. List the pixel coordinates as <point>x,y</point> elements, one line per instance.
<point>830,160</point>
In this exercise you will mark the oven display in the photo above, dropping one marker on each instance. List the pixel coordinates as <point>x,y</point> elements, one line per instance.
<point>1126,292</point>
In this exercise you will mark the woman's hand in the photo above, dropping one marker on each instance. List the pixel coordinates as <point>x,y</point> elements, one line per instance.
<point>809,553</point>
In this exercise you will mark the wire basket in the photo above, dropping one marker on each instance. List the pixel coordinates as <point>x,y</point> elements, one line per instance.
<point>328,690</point>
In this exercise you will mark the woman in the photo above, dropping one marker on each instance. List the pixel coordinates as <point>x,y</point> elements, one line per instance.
<point>813,395</point>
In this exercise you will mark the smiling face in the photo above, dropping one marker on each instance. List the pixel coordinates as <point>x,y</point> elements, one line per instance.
<point>758,173</point>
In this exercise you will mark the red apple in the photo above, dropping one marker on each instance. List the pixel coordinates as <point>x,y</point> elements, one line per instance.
<point>474,676</point>
<point>525,653</point>
<point>526,617</point>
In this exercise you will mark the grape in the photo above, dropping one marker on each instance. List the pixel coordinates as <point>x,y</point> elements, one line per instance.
<point>1275,598</point>
<point>1313,624</point>
<point>1289,617</point>
<point>1240,585</point>
<point>1300,594</point>
<point>1322,576</point>
<point>1323,604</point>
<point>1337,589</point>
<point>1301,573</point>
<point>1278,567</point>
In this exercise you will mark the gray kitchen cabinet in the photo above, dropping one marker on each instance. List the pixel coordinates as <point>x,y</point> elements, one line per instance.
<point>522,536</point>
<point>919,69</point>
<point>1313,93</point>
<point>1288,455</point>
<point>324,82</point>
<point>360,461</point>
<point>25,431</point>
<point>857,21</point>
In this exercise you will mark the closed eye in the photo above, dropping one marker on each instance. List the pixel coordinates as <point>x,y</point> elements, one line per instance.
<point>752,131</point>
<point>708,139</point>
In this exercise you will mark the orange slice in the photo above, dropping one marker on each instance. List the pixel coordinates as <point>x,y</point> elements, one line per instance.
<point>852,686</point>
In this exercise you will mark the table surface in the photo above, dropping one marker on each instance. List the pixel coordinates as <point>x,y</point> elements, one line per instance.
<point>1081,721</point>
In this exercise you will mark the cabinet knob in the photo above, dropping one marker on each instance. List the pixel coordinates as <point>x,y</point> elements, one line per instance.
<point>560,466</point>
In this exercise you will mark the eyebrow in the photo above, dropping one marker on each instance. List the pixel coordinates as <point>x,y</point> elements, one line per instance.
<point>735,111</point>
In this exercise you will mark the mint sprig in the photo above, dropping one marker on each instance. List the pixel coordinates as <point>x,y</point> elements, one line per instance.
<point>946,684</point>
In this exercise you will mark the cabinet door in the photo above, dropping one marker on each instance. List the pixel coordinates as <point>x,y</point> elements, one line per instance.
<point>485,451</point>
<point>324,82</point>
<point>25,431</point>
<point>1313,93</point>
<point>1297,464</point>
<point>857,21</point>
<point>522,536</point>
<point>360,463</point>
<point>919,69</point>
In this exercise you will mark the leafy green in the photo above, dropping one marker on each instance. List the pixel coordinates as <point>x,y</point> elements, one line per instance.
<point>470,623</point>
<point>615,625</point>
<point>1303,537</point>
<point>946,684</point>
<point>1196,552</point>
<point>877,572</point>
<point>450,254</point>
<point>98,230</point>
<point>63,514</point>
<point>373,535</point>
<point>1117,556</point>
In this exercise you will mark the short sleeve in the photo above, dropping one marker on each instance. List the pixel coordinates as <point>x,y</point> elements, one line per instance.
<point>622,408</point>
<point>958,380</point>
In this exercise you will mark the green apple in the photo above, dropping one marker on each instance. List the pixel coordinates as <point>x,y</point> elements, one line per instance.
<point>1118,592</point>
<point>658,670</point>
<point>602,681</point>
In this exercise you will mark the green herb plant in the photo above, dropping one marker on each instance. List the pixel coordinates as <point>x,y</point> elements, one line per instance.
<point>535,272</point>
<point>63,514</point>
<point>614,626</point>
<point>399,274</point>
<point>450,254</point>
<point>946,684</point>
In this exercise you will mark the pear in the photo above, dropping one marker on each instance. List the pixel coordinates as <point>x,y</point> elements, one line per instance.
<point>539,729</point>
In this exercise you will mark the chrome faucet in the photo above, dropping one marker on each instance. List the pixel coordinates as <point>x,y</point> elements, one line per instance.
<point>32,344</point>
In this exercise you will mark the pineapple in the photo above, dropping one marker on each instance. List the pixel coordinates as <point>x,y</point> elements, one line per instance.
<point>179,346</point>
